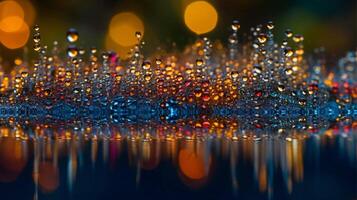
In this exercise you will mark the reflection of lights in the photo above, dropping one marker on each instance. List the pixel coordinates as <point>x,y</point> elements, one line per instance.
<point>195,158</point>
<point>192,164</point>
<point>150,155</point>
<point>122,28</point>
<point>200,17</point>
<point>12,159</point>
<point>48,177</point>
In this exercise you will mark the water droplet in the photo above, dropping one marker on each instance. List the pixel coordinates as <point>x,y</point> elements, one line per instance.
<point>245,79</point>
<point>262,38</point>
<point>270,25</point>
<point>234,74</point>
<point>138,35</point>
<point>72,51</point>
<point>36,47</point>
<point>205,97</point>
<point>235,25</point>
<point>281,88</point>
<point>147,77</point>
<point>82,51</point>
<point>258,93</point>
<point>199,62</point>
<point>232,39</point>
<point>257,69</point>
<point>93,50</point>
<point>36,28</point>
<point>288,71</point>
<point>288,33</point>
<point>158,61</point>
<point>198,92</point>
<point>285,42</point>
<point>72,35</point>
<point>255,45</point>
<point>36,37</point>
<point>288,52</point>
<point>146,65</point>
<point>302,102</point>
<point>298,38</point>
<point>105,56</point>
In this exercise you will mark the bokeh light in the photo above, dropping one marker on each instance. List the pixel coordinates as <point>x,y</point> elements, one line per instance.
<point>122,28</point>
<point>111,45</point>
<point>14,40</point>
<point>11,16</point>
<point>29,11</point>
<point>192,163</point>
<point>12,159</point>
<point>200,17</point>
<point>11,24</point>
<point>48,178</point>
<point>15,18</point>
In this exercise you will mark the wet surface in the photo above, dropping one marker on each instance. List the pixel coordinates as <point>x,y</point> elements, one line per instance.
<point>169,163</point>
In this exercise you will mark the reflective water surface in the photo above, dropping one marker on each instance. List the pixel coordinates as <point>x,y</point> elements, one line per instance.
<point>166,162</point>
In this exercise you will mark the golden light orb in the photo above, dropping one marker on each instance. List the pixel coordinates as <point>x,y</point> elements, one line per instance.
<point>123,52</point>
<point>48,178</point>
<point>122,28</point>
<point>12,159</point>
<point>11,24</point>
<point>200,17</point>
<point>14,40</point>
<point>11,16</point>
<point>29,11</point>
<point>191,164</point>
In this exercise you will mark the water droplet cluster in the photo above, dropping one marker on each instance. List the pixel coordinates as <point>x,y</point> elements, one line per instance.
<point>261,78</point>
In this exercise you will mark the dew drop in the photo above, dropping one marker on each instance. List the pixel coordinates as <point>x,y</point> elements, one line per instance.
<point>281,88</point>
<point>147,77</point>
<point>93,50</point>
<point>36,37</point>
<point>36,47</point>
<point>234,74</point>
<point>288,71</point>
<point>232,39</point>
<point>36,28</point>
<point>257,69</point>
<point>199,62</point>
<point>72,35</point>
<point>288,33</point>
<point>258,93</point>
<point>262,38</point>
<point>206,97</point>
<point>270,25</point>
<point>81,51</point>
<point>138,35</point>
<point>146,65</point>
<point>72,51</point>
<point>298,38</point>
<point>158,61</point>
<point>288,52</point>
<point>235,25</point>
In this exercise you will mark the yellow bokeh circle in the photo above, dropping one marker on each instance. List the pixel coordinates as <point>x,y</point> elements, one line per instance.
<point>200,17</point>
<point>122,28</point>
<point>11,16</point>
<point>14,40</point>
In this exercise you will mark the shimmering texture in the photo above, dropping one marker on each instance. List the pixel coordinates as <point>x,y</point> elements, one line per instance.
<point>260,82</point>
